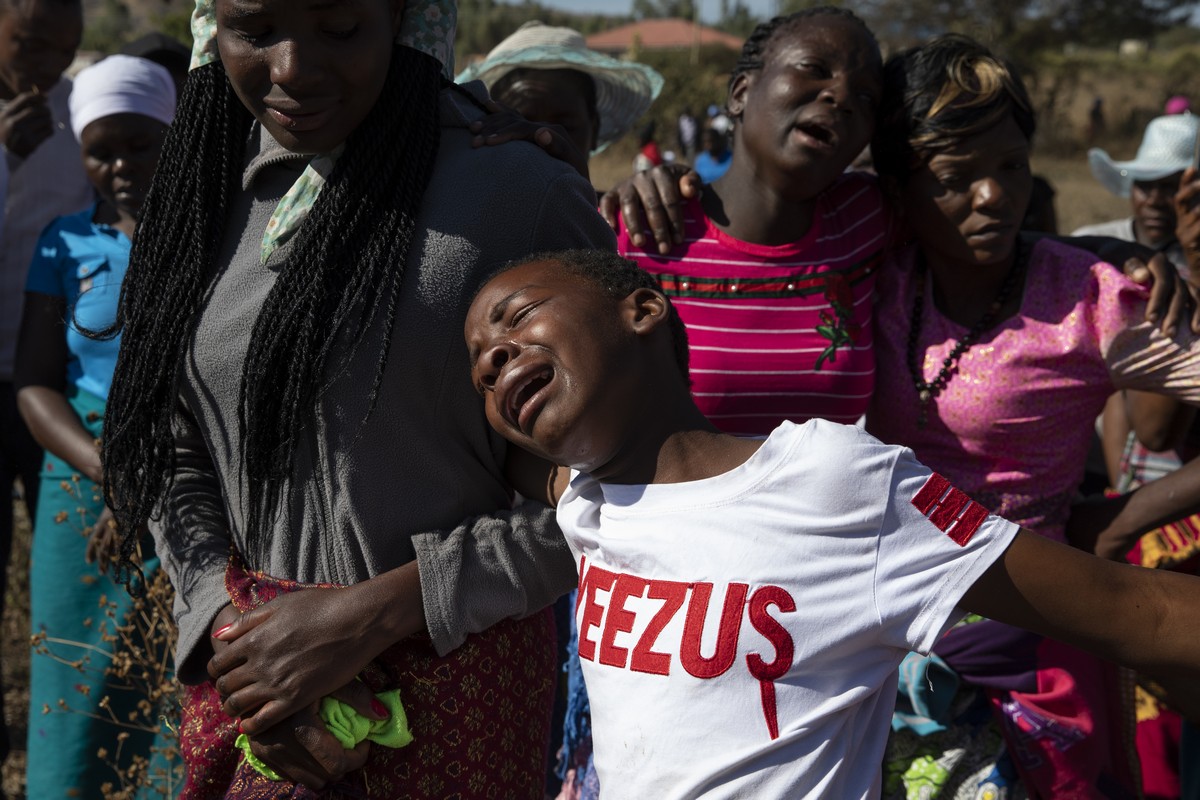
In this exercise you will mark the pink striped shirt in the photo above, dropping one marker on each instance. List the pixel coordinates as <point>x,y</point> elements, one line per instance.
<point>779,333</point>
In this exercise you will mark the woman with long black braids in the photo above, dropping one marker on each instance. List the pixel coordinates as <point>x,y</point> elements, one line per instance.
<point>291,410</point>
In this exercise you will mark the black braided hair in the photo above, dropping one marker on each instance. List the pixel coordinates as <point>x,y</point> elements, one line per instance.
<point>754,50</point>
<point>170,267</point>
<point>618,277</point>
<point>341,279</point>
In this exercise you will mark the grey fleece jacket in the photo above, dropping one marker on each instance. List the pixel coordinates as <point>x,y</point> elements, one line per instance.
<point>422,477</point>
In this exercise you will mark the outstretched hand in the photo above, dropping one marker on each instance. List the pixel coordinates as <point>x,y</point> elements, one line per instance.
<point>651,203</point>
<point>280,658</point>
<point>503,125</point>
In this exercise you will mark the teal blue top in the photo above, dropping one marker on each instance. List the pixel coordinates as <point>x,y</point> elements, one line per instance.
<point>84,263</point>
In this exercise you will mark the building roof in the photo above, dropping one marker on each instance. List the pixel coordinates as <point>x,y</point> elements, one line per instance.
<point>659,34</point>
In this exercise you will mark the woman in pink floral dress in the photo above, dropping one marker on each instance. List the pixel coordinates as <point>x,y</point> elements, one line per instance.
<point>994,357</point>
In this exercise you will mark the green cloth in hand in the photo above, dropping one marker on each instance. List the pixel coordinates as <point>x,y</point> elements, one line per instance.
<point>348,727</point>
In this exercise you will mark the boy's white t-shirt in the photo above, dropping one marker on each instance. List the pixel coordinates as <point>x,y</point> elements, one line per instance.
<point>740,635</point>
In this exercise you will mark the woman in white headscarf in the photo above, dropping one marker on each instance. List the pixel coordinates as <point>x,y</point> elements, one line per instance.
<point>120,111</point>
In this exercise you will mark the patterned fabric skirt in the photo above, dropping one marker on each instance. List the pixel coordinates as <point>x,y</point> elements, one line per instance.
<point>480,717</point>
<point>1069,736</point>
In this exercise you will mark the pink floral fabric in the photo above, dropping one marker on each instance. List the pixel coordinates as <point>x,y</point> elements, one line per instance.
<point>1013,425</point>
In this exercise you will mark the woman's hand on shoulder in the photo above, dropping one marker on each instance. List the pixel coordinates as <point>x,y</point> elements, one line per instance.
<point>503,125</point>
<point>1187,221</point>
<point>651,204</point>
<point>1172,299</point>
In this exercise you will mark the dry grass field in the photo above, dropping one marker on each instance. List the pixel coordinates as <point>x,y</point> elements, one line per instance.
<point>1079,199</point>
<point>14,656</point>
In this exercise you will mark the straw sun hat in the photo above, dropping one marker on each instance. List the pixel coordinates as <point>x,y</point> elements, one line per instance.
<point>1168,146</point>
<point>624,89</point>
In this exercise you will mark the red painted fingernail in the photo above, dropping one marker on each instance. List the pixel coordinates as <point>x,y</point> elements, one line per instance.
<point>240,727</point>
<point>221,630</point>
<point>379,708</point>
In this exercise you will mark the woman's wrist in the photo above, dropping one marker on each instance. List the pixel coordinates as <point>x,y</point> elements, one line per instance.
<point>393,605</point>
<point>1114,542</point>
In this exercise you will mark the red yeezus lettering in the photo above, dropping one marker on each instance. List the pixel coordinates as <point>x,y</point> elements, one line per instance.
<point>727,631</point>
<point>590,581</point>
<point>619,619</point>
<point>949,509</point>
<point>672,593</point>
<point>768,672</point>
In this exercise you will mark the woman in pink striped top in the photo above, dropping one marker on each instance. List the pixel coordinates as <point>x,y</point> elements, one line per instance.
<point>775,276</point>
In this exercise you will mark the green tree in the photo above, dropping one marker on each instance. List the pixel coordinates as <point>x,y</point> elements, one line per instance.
<point>736,19</point>
<point>1019,28</point>
<point>177,24</point>
<point>687,85</point>
<point>1109,21</point>
<point>785,7</point>
<point>108,27</point>
<point>658,9</point>
<point>483,24</point>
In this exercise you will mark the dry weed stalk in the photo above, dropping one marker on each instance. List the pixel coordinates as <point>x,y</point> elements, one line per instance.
<point>135,660</point>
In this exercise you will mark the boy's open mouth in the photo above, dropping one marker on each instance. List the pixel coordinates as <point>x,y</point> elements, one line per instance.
<point>517,406</point>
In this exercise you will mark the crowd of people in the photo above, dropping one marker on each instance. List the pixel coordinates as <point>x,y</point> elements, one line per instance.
<point>757,475</point>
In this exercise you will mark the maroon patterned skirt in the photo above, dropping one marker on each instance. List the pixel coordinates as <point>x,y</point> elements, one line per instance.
<point>480,717</point>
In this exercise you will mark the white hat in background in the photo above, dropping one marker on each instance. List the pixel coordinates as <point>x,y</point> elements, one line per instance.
<point>1168,146</point>
<point>624,89</point>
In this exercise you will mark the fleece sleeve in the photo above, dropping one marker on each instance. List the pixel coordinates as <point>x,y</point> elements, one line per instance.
<point>509,564</point>
<point>192,541</point>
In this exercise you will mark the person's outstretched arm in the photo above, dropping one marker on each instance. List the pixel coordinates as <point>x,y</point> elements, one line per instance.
<point>1159,422</point>
<point>1137,617</point>
<point>1110,527</point>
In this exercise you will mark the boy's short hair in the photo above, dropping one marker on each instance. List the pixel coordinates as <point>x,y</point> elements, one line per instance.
<point>618,277</point>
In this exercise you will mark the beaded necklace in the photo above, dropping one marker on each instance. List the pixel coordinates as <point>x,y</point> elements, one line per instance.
<point>929,390</point>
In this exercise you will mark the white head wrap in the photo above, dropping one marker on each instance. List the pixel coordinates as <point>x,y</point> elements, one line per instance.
<point>122,85</point>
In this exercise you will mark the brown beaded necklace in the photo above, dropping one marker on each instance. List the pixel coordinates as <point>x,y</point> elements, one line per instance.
<point>929,390</point>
